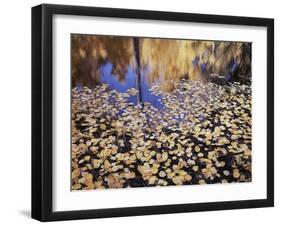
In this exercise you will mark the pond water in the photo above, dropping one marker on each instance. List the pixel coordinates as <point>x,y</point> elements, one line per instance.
<point>130,81</point>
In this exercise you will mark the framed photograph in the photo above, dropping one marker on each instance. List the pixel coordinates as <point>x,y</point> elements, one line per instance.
<point>146,112</point>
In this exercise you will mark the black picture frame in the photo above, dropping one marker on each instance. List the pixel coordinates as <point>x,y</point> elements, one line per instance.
<point>42,95</point>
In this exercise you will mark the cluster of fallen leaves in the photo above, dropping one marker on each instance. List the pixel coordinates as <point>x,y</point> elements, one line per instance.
<point>202,135</point>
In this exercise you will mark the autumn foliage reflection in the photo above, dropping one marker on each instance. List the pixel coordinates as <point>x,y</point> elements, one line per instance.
<point>164,59</point>
<point>159,112</point>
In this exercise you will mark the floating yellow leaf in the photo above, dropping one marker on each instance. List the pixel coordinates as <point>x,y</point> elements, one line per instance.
<point>177,180</point>
<point>103,126</point>
<point>197,148</point>
<point>75,173</point>
<point>106,164</point>
<point>162,174</point>
<point>76,186</point>
<point>236,173</point>
<point>226,172</point>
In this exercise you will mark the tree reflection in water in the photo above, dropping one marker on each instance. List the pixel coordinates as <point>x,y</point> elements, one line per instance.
<point>159,112</point>
<point>164,59</point>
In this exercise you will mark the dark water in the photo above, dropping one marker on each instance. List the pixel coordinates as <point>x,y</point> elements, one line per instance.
<point>129,82</point>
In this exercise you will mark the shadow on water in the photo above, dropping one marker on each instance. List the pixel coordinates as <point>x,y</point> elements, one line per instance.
<point>130,81</point>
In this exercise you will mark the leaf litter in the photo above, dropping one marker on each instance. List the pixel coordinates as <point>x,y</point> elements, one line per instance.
<point>202,135</point>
